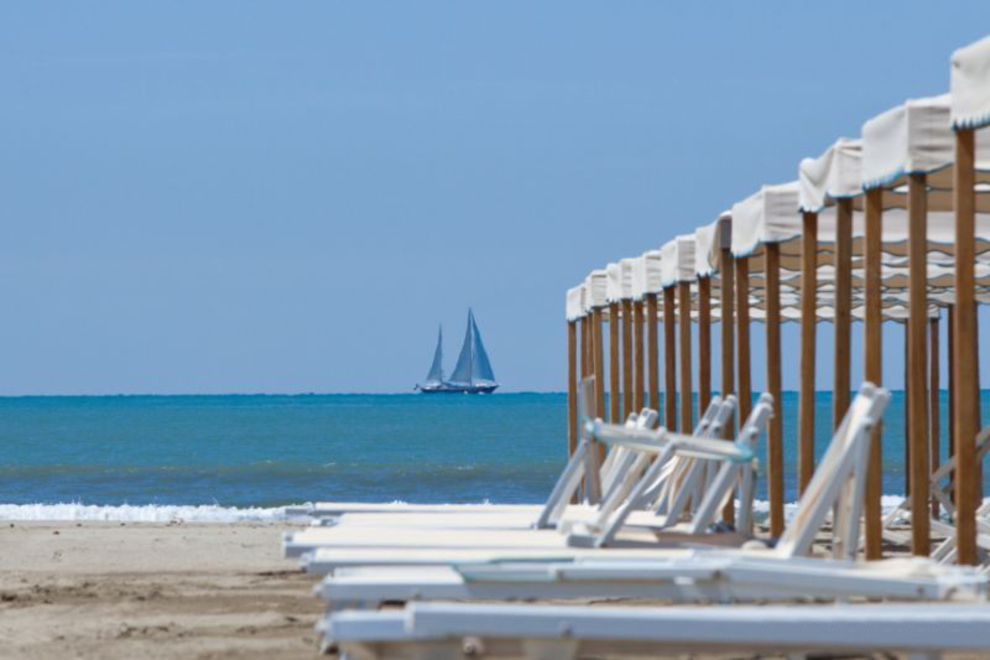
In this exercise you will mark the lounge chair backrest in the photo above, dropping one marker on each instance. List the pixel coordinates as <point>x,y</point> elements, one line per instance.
<point>839,480</point>
<point>722,486</point>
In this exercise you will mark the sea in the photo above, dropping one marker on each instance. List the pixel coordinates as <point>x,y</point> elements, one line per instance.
<point>244,457</point>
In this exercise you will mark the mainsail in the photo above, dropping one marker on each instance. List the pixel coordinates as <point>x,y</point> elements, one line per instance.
<point>473,367</point>
<point>436,369</point>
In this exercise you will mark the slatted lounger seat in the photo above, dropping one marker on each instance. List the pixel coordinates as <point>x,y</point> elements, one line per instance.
<point>458,630</point>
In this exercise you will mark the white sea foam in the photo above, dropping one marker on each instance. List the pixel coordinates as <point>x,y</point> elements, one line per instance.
<point>226,514</point>
<point>139,513</point>
<point>761,508</point>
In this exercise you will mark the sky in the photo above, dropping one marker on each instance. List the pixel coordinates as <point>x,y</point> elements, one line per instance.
<point>246,196</point>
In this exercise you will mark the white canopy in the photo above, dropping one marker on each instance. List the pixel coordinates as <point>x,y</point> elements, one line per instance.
<point>709,241</point>
<point>652,272</point>
<point>833,175</point>
<point>677,260</point>
<point>769,216</point>
<point>627,266</point>
<point>596,284</point>
<point>916,138</point>
<point>575,302</point>
<point>613,287</point>
<point>971,85</point>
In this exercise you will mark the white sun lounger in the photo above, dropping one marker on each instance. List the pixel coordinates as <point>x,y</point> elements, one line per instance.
<point>662,444</point>
<point>941,488</point>
<point>458,630</point>
<point>838,483</point>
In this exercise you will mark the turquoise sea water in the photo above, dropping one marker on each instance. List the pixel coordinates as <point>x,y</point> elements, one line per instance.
<point>264,451</point>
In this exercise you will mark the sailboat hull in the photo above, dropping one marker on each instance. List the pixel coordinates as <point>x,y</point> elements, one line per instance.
<point>448,388</point>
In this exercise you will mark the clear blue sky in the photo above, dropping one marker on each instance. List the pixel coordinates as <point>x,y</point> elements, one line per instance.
<point>288,197</point>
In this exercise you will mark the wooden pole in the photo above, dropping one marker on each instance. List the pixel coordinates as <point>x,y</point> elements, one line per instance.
<point>745,382</point>
<point>627,368</point>
<point>638,375</point>
<point>907,411</point>
<point>809,320</point>
<point>934,388</point>
<point>873,367</point>
<point>653,350</point>
<point>843,311</point>
<point>599,362</point>
<point>614,390</point>
<point>670,361</point>
<point>727,293</point>
<point>775,434</point>
<point>704,343</point>
<point>918,361</point>
<point>684,337</point>
<point>585,344</point>
<point>966,403</point>
<point>978,408</point>
<point>572,420</point>
<point>950,345</point>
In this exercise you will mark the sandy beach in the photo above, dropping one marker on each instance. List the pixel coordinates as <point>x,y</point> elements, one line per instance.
<point>152,590</point>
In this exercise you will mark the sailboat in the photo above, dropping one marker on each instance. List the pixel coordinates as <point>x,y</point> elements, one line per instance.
<point>473,372</point>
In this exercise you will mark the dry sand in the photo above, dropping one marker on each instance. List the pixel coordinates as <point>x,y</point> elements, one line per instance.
<point>152,590</point>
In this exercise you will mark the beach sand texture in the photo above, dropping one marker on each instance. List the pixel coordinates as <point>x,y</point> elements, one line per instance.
<point>152,590</point>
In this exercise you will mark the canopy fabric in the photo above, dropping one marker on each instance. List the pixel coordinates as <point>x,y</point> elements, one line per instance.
<point>627,266</point>
<point>912,138</point>
<point>575,302</point>
<point>916,138</point>
<point>596,284</point>
<point>652,272</point>
<point>613,286</point>
<point>677,260</point>
<point>769,216</point>
<point>709,241</point>
<point>970,85</point>
<point>836,174</point>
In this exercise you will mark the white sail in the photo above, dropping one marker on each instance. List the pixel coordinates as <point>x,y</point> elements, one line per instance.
<point>481,373</point>
<point>465,361</point>
<point>436,369</point>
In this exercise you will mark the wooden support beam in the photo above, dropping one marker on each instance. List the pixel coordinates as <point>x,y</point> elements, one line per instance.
<point>978,408</point>
<point>907,411</point>
<point>727,300</point>
<point>950,350</point>
<point>809,321</point>
<point>775,434</point>
<point>704,343</point>
<point>653,350</point>
<point>684,337</point>
<point>873,367</point>
<point>934,417</point>
<point>572,420</point>
<point>745,382</point>
<point>842,354</point>
<point>918,361</point>
<point>639,397</point>
<point>627,367</point>
<point>599,363</point>
<point>670,360</point>
<point>966,401</point>
<point>585,346</point>
<point>614,364</point>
